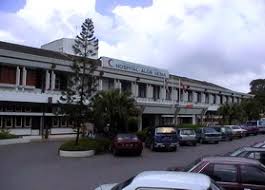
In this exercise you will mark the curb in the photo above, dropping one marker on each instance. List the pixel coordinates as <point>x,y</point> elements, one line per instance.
<point>14,141</point>
<point>76,154</point>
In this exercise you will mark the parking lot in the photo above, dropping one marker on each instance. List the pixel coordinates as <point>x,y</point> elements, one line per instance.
<point>38,166</point>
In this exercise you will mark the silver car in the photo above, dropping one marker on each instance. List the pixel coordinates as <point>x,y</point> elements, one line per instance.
<point>164,180</point>
<point>187,136</point>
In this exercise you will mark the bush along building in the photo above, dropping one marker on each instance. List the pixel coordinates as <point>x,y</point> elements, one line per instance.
<point>32,79</point>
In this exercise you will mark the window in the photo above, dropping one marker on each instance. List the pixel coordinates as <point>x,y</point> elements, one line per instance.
<point>142,90</point>
<point>55,122</point>
<point>9,108</point>
<point>252,175</point>
<point>214,99</point>
<point>18,108</point>
<point>27,109</point>
<point>190,96</point>
<point>224,173</point>
<point>63,122</point>
<point>199,97</point>
<point>156,92</point>
<point>18,121</point>
<point>57,83</point>
<point>9,122</point>
<point>27,122</point>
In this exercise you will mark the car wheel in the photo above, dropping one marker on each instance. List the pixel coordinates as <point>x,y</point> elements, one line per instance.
<point>216,142</point>
<point>201,141</point>
<point>139,153</point>
<point>180,144</point>
<point>194,144</point>
<point>175,149</point>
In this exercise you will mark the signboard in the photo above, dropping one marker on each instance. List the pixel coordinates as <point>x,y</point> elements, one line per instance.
<point>133,67</point>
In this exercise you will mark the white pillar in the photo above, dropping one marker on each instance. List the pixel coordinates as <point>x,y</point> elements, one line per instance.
<point>53,77</point>
<point>24,77</point>
<point>194,97</point>
<point>47,80</point>
<point>218,99</point>
<point>203,98</point>
<point>185,96</point>
<point>162,93</point>
<point>210,99</point>
<point>193,119</point>
<point>100,84</point>
<point>224,100</point>
<point>136,90</point>
<point>150,91</point>
<point>174,94</point>
<point>18,76</point>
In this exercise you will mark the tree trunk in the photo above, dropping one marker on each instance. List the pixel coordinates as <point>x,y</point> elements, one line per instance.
<point>77,135</point>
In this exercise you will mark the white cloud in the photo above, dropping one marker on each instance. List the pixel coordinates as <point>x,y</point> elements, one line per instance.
<point>213,40</point>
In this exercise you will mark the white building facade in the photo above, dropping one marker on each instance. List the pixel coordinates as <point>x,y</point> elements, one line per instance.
<point>32,79</point>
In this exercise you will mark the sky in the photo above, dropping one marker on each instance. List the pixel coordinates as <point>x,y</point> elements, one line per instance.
<point>218,41</point>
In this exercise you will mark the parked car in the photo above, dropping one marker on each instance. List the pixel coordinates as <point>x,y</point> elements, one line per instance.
<point>162,137</point>
<point>161,180</point>
<point>187,136</point>
<point>261,125</point>
<point>237,131</point>
<point>226,132</point>
<point>251,127</point>
<point>232,173</point>
<point>250,152</point>
<point>208,134</point>
<point>126,143</point>
<point>259,144</point>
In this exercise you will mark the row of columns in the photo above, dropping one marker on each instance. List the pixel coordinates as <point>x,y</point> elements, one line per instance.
<point>175,94</point>
<point>50,78</point>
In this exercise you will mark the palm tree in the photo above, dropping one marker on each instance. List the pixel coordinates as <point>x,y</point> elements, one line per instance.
<point>113,108</point>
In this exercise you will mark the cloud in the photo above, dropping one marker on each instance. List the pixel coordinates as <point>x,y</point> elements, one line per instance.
<point>212,40</point>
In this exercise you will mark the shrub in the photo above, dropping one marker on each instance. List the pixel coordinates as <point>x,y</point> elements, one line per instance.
<point>99,145</point>
<point>4,134</point>
<point>142,134</point>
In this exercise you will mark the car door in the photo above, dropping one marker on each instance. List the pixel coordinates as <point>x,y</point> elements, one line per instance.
<point>225,175</point>
<point>252,177</point>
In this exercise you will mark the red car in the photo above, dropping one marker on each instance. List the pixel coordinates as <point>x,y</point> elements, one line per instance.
<point>231,173</point>
<point>251,127</point>
<point>127,143</point>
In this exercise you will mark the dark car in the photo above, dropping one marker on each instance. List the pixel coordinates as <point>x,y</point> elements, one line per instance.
<point>127,143</point>
<point>162,137</point>
<point>226,132</point>
<point>232,173</point>
<point>250,152</point>
<point>208,135</point>
<point>251,128</point>
<point>187,136</point>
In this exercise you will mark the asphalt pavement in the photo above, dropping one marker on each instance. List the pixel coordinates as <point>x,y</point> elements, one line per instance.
<point>37,166</point>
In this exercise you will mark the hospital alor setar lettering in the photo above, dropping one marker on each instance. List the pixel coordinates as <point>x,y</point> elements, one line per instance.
<point>132,67</point>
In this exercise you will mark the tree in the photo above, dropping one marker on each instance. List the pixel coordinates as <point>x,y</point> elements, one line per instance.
<point>114,108</point>
<point>250,109</point>
<point>82,82</point>
<point>230,113</point>
<point>257,88</point>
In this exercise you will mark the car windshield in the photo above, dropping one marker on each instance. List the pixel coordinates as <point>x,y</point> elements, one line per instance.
<point>126,136</point>
<point>191,165</point>
<point>209,130</point>
<point>122,185</point>
<point>167,130</point>
<point>187,132</point>
<point>236,152</point>
<point>251,123</point>
<point>235,127</point>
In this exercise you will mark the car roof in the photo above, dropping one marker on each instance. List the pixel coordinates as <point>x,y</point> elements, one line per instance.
<point>227,159</point>
<point>259,144</point>
<point>171,179</point>
<point>260,149</point>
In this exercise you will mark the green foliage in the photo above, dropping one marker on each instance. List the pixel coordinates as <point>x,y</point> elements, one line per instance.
<point>132,124</point>
<point>142,135</point>
<point>99,145</point>
<point>4,134</point>
<point>114,108</point>
<point>257,88</point>
<point>82,82</point>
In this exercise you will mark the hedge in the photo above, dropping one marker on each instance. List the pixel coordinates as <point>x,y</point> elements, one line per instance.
<point>4,134</point>
<point>99,145</point>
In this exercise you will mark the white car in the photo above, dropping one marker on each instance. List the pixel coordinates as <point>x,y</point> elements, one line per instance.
<point>164,180</point>
<point>237,131</point>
